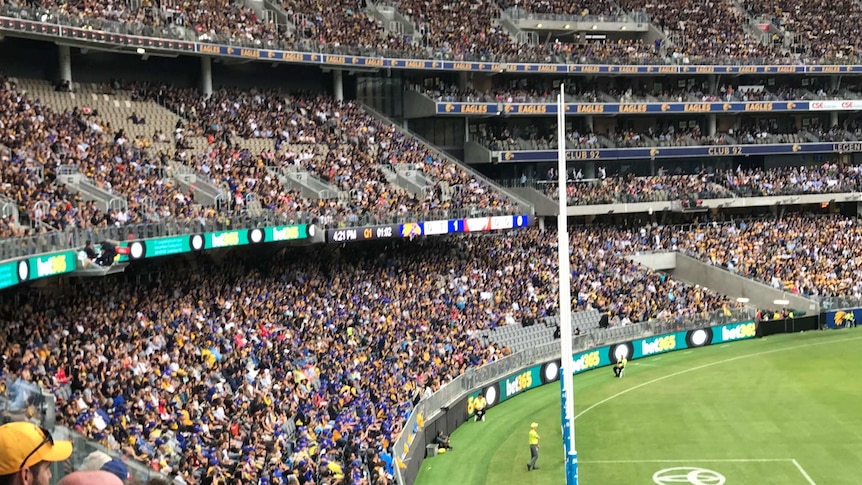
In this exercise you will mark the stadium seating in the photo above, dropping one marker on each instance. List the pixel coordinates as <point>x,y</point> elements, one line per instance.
<point>811,256</point>
<point>828,178</point>
<point>518,337</point>
<point>246,369</point>
<point>824,30</point>
<point>747,32</point>
<point>298,355</point>
<point>176,166</point>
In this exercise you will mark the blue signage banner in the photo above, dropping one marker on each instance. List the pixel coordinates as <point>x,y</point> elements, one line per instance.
<point>533,109</point>
<point>681,152</point>
<point>411,230</point>
<point>844,318</point>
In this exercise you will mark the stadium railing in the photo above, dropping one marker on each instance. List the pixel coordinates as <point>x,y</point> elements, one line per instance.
<point>17,247</point>
<point>640,17</point>
<point>838,302</point>
<point>73,237</point>
<point>429,408</point>
<point>523,205</point>
<point>23,400</point>
<point>20,398</point>
<point>81,447</point>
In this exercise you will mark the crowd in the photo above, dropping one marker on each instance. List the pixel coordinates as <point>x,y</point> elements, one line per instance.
<point>541,135</point>
<point>827,178</point>
<point>544,90</point>
<point>341,23</point>
<point>306,364</point>
<point>711,30</point>
<point>559,7</point>
<point>513,138</point>
<point>39,141</point>
<point>629,189</point>
<point>817,256</point>
<point>697,33</point>
<point>335,141</point>
<point>536,89</point>
<point>823,29</point>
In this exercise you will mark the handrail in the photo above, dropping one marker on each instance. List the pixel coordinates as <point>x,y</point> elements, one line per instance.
<point>524,205</point>
<point>46,242</point>
<point>638,17</point>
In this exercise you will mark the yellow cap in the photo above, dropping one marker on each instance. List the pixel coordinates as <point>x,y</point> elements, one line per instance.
<point>24,444</point>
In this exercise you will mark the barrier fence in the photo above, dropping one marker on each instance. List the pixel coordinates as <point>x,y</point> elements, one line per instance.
<point>409,454</point>
<point>74,237</point>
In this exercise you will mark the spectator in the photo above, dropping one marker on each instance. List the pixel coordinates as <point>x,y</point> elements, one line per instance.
<point>90,478</point>
<point>442,440</point>
<point>26,452</point>
<point>263,364</point>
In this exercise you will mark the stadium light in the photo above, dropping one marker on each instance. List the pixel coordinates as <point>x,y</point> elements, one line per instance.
<point>567,367</point>
<point>742,300</point>
<point>781,302</point>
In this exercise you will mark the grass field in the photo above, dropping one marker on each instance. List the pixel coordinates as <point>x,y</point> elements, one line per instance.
<point>785,409</point>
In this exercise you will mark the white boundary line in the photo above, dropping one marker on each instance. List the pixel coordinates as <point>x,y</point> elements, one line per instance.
<point>718,460</point>
<point>692,369</point>
<point>803,472</point>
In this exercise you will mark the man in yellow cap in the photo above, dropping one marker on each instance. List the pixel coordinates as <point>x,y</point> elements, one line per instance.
<point>26,450</point>
<point>534,447</point>
<point>479,407</point>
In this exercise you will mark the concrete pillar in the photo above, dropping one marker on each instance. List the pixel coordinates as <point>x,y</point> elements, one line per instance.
<point>833,118</point>
<point>338,84</point>
<point>206,76</point>
<point>466,130</point>
<point>712,83</point>
<point>711,124</point>
<point>588,120</point>
<point>463,80</point>
<point>65,58</point>
<point>834,83</point>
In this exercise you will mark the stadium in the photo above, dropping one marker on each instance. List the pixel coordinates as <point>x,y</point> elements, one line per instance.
<point>281,242</point>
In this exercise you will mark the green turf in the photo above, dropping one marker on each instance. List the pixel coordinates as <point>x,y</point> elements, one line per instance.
<point>745,410</point>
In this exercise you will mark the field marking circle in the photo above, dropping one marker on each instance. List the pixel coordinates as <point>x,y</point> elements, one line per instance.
<point>704,366</point>
<point>689,475</point>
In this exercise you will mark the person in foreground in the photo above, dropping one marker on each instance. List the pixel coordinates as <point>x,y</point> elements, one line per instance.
<point>534,447</point>
<point>26,452</point>
<point>442,440</point>
<point>620,367</point>
<point>97,477</point>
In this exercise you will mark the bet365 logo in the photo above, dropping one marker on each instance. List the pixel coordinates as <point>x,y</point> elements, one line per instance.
<point>519,383</point>
<point>658,345</point>
<point>730,333</point>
